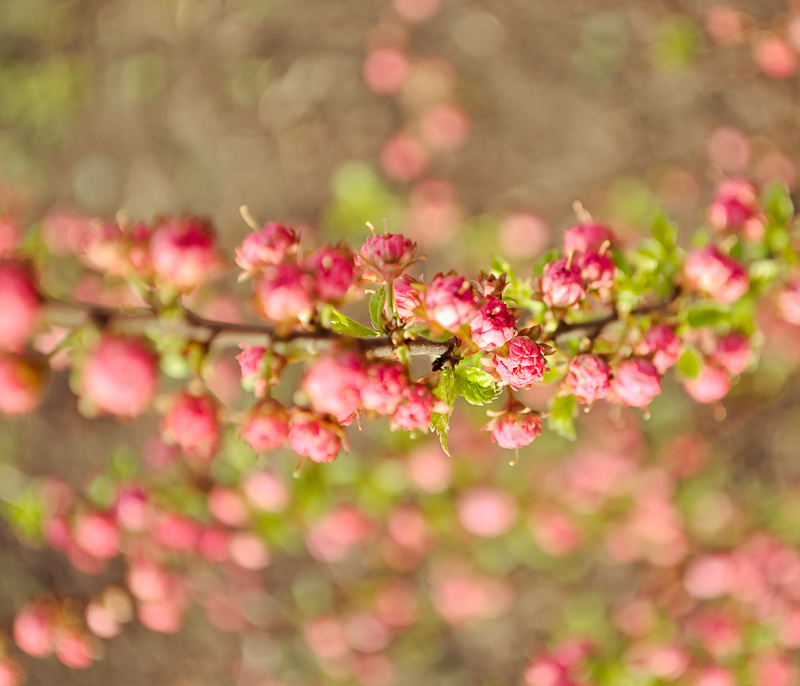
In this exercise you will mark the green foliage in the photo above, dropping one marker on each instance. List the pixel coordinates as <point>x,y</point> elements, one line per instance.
<point>376,304</point>
<point>562,413</point>
<point>690,362</point>
<point>707,313</point>
<point>341,323</point>
<point>475,385</point>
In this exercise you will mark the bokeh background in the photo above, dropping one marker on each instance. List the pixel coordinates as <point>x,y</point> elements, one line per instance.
<point>473,126</point>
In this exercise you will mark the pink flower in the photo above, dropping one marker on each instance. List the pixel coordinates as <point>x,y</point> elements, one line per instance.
<point>34,629</point>
<point>315,438</point>
<point>636,382</point>
<point>385,257</point>
<point>407,299</point>
<point>598,271</point>
<point>192,423</point>
<point>20,304</point>
<point>513,430</point>
<point>250,362</point>
<point>523,365</point>
<point>333,386</point>
<point>74,648</point>
<point>735,207</point>
<point>285,293</point>
<point>733,353</point>
<point>270,245</point>
<point>266,426</point>
<point>587,237</point>
<point>450,302</point>
<point>661,342</point>
<point>562,283</point>
<point>588,378</point>
<point>11,673</point>
<point>414,413</point>
<point>789,302</point>
<point>493,326</point>
<point>265,491</point>
<point>710,385</point>
<point>487,511</point>
<point>384,387</point>
<point>715,676</point>
<point>120,376</point>
<point>334,273</point>
<point>716,275</point>
<point>97,534</point>
<point>106,249</point>
<point>183,252</point>
<point>22,383</point>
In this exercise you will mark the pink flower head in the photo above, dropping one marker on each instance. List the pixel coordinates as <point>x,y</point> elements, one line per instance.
<point>493,326</point>
<point>333,386</point>
<point>588,237</point>
<point>384,387</point>
<point>414,412</point>
<point>485,511</point>
<point>636,382</point>
<point>106,249</point>
<point>513,430</point>
<point>716,275</point>
<point>183,252</point>
<point>733,353</point>
<point>74,648</point>
<point>597,270</point>
<point>270,245</point>
<point>334,272</point>
<point>588,378</point>
<point>710,385</point>
<point>21,384</point>
<point>20,304</point>
<point>735,207</point>
<point>663,343</point>
<point>285,293</point>
<point>192,422</point>
<point>120,376</point>
<point>407,299</point>
<point>315,438</point>
<point>562,283</point>
<point>789,302</point>
<point>265,426</point>
<point>523,365</point>
<point>385,257</point>
<point>9,236</point>
<point>250,360</point>
<point>64,231</point>
<point>34,627</point>
<point>11,673</point>
<point>450,302</point>
<point>97,534</point>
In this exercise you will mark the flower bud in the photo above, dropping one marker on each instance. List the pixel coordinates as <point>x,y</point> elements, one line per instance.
<point>9,236</point>
<point>284,293</point>
<point>636,382</point>
<point>493,326</point>
<point>106,249</point>
<point>588,378</point>
<point>20,304</point>
<point>192,423</point>
<point>735,207</point>
<point>789,302</point>
<point>733,353</point>
<point>588,237</point>
<point>22,381</point>
<point>513,429</point>
<point>333,386</point>
<point>74,648</point>
<point>710,385</point>
<point>334,273</point>
<point>315,438</point>
<point>562,283</point>
<point>414,412</point>
<point>11,672</point>
<point>97,534</point>
<point>598,271</point>
<point>384,387</point>
<point>183,253</point>
<point>407,299</point>
<point>120,376</point>
<point>663,344</point>
<point>270,245</point>
<point>450,302</point>
<point>386,257</point>
<point>716,275</point>
<point>523,365</point>
<point>266,426</point>
<point>34,629</point>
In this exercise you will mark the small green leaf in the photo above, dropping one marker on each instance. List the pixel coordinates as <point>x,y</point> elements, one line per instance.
<point>475,384</point>
<point>561,419</point>
<point>690,362</point>
<point>440,423</point>
<point>342,324</point>
<point>664,231</point>
<point>376,303</point>
<point>707,314</point>
<point>500,266</point>
<point>549,256</point>
<point>175,365</point>
<point>446,390</point>
<point>778,203</point>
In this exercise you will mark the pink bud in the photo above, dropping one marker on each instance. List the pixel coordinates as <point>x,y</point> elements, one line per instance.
<point>20,304</point>
<point>248,551</point>
<point>735,205</point>
<point>715,676</point>
<point>587,237</point>
<point>450,302</point>
<point>285,293</point>
<point>176,532</point>
<point>227,506</point>
<point>64,232</point>
<point>513,430</point>
<point>192,423</point>
<point>636,382</point>
<point>333,386</point>
<point>716,275</point>
<point>120,376</point>
<point>183,252</point>
<point>106,249</point>
<point>733,353</point>
<point>265,491</point>
<point>598,271</point>
<point>523,365</point>
<point>493,326</point>
<point>414,412</point>
<point>266,426</point>
<point>487,511</point>
<point>33,629</point>
<point>661,342</point>
<point>314,438</point>
<point>97,534</point>
<point>22,381</point>
<point>407,298</point>
<point>789,302</point>
<point>710,385</point>
<point>588,378</point>
<point>270,245</point>
<point>334,273</point>
<point>384,387</point>
<point>385,257</point>
<point>74,648</point>
<point>9,236</point>
<point>11,672</point>
<point>385,71</point>
<point>562,283</point>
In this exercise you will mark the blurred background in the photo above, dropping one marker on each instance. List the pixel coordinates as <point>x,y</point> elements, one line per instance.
<point>472,126</point>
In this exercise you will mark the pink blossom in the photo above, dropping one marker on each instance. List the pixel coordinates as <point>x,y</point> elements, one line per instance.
<point>106,249</point>
<point>450,302</point>
<point>733,353</point>
<point>588,237</point>
<point>333,386</point>
<point>414,412</point>
<point>709,576</point>
<point>789,302</point>
<point>284,293</point>
<point>716,275</point>
<point>735,207</point>
<point>635,382</point>
<point>430,469</point>
<point>314,438</point>
<point>513,430</point>
<point>710,385</point>
<point>270,245</point>
<point>334,273</point>
<point>715,676</point>
<point>193,424</point>
<point>386,256</point>
<point>337,532</point>
<point>493,326</point>
<point>249,551</point>
<point>97,534</point>
<point>176,532</point>
<point>227,506</point>
<point>9,236</point>
<point>663,344</point>
<point>183,252</point>
<point>74,648</point>
<point>265,491</point>
<point>20,304</point>
<point>34,629</point>
<point>11,673</point>
<point>598,271</point>
<point>266,426</point>
<point>120,376</point>
<point>562,283</point>
<point>588,378</point>
<point>384,387</point>
<point>22,383</point>
<point>407,299</point>
<point>487,511</point>
<point>522,365</point>
<point>385,70</point>
<point>64,231</point>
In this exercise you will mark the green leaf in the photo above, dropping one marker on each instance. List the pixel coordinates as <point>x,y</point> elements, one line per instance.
<point>376,303</point>
<point>707,314</point>
<point>665,232</point>
<point>690,362</point>
<point>778,203</point>
<point>342,324</point>
<point>549,256</point>
<point>440,423</point>
<point>446,390</point>
<point>475,384</point>
<point>561,419</point>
